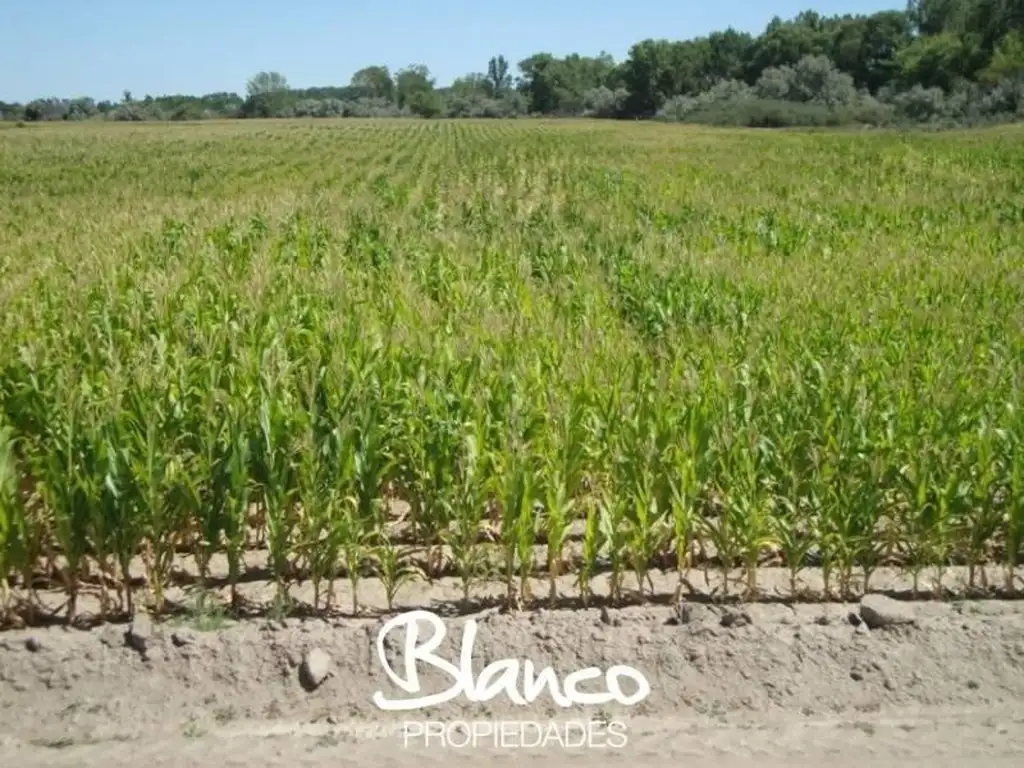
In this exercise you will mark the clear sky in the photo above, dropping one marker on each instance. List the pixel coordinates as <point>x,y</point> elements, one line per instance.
<point>98,48</point>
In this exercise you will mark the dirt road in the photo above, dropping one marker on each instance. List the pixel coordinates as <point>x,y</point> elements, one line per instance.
<point>786,685</point>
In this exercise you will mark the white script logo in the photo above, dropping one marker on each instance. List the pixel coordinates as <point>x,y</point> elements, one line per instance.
<point>496,677</point>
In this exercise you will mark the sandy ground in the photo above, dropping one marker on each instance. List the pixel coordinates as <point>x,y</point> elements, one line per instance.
<point>781,684</point>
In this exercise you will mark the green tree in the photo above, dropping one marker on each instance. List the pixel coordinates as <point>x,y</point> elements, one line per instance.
<point>375,82</point>
<point>1008,59</point>
<point>499,79</point>
<point>938,61</point>
<point>412,83</point>
<point>866,47</point>
<point>267,95</point>
<point>266,82</point>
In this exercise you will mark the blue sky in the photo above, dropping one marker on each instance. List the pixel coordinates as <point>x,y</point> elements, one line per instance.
<point>99,48</point>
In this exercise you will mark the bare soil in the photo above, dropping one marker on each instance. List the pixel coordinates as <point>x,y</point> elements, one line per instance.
<point>784,684</point>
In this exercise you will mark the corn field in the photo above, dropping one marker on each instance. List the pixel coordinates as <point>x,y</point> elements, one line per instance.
<point>377,349</point>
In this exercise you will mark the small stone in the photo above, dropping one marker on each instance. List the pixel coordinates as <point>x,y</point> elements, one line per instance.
<point>181,638</point>
<point>735,619</point>
<point>112,637</point>
<point>854,619</point>
<point>140,634</point>
<point>856,675</point>
<point>823,620</point>
<point>315,667</point>
<point>973,685</point>
<point>690,613</point>
<point>32,645</point>
<point>880,611</point>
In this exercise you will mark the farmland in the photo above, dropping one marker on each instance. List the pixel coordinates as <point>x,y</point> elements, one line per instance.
<point>524,351</point>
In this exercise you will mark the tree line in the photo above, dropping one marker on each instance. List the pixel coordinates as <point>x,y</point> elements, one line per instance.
<point>935,61</point>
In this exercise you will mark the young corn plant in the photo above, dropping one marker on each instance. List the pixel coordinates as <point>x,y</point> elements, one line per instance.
<point>721,515</point>
<point>562,466</point>
<point>205,485</point>
<point>751,506</point>
<point>323,460</point>
<point>558,516</point>
<point>394,566</point>
<point>371,466</point>
<point>592,544</point>
<point>430,438</point>
<point>469,500</point>
<point>356,534</point>
<point>985,506</point>
<point>613,505</point>
<point>517,528</point>
<point>96,489</point>
<point>648,527</point>
<point>926,518</point>
<point>275,469</point>
<point>682,511</point>
<point>1014,516</point>
<point>238,490</point>
<point>685,466</point>
<point>13,544</point>
<point>156,472</point>
<point>59,475</point>
<point>119,505</point>
<point>854,483</point>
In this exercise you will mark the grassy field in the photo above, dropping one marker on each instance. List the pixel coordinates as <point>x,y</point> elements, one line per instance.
<point>645,344</point>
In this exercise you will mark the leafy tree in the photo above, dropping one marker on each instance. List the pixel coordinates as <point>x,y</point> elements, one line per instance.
<point>266,82</point>
<point>474,84</point>
<point>934,17</point>
<point>374,82</point>
<point>867,46</point>
<point>411,83</point>
<point>499,80</point>
<point>538,82</point>
<point>727,54</point>
<point>937,61</point>
<point>425,103</point>
<point>1007,61</point>
<point>648,76</point>
<point>267,95</point>
<point>784,43</point>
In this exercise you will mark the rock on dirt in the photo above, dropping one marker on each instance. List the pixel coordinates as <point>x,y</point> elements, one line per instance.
<point>182,638</point>
<point>879,611</point>
<point>32,645</point>
<point>315,667</point>
<point>140,634</point>
<point>690,613</point>
<point>736,619</point>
